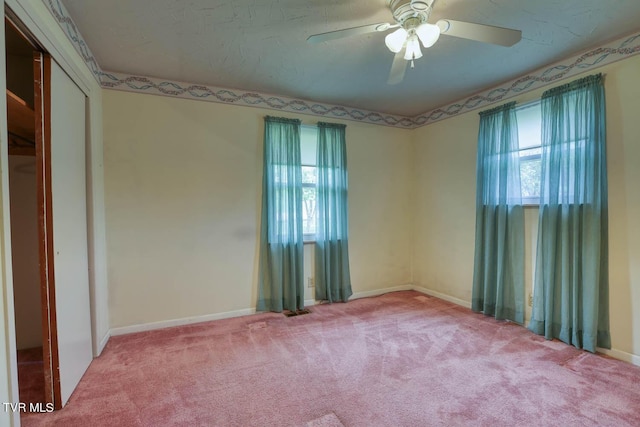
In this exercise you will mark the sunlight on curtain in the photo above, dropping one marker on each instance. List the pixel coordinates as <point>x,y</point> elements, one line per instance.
<point>498,276</point>
<point>333,280</point>
<point>281,278</point>
<point>571,293</point>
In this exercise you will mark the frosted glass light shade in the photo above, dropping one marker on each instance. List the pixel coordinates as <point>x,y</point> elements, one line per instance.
<point>395,41</point>
<point>413,49</point>
<point>428,34</point>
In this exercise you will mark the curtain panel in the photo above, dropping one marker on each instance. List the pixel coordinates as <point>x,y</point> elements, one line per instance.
<point>498,275</point>
<point>571,292</point>
<point>281,277</point>
<point>332,275</point>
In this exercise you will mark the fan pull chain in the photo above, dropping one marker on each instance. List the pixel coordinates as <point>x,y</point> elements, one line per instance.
<point>413,65</point>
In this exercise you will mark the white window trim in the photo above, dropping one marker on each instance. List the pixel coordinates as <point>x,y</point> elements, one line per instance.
<point>310,237</point>
<point>532,201</point>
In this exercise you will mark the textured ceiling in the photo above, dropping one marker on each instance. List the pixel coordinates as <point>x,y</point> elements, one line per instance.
<point>260,45</point>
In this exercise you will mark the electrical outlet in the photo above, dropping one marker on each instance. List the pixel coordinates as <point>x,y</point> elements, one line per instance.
<point>530,300</point>
<point>310,283</point>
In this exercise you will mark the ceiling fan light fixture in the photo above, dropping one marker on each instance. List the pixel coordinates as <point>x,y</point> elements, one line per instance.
<point>395,41</point>
<point>428,34</point>
<point>413,48</point>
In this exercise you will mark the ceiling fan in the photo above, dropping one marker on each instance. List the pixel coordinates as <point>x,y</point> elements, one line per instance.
<point>411,18</point>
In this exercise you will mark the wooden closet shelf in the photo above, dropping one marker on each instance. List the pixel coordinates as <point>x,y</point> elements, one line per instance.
<point>21,125</point>
<point>21,117</point>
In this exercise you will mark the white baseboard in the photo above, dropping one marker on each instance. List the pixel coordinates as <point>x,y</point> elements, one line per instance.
<point>226,315</point>
<point>440,295</point>
<point>377,292</point>
<point>616,354</point>
<point>180,322</point>
<point>103,342</point>
<point>621,355</point>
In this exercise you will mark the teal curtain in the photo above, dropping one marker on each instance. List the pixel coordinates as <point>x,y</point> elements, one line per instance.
<point>332,276</point>
<point>571,292</point>
<point>281,279</point>
<point>498,274</point>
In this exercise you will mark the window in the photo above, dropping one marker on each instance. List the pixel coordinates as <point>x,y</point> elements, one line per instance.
<point>308,148</point>
<point>530,150</point>
<point>309,190</point>
<point>283,184</point>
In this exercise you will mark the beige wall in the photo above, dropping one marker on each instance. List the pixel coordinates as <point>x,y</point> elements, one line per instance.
<point>24,250</point>
<point>183,186</point>
<point>183,182</point>
<point>444,226</point>
<point>623,161</point>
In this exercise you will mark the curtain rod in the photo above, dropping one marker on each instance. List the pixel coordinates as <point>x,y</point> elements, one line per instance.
<point>536,101</point>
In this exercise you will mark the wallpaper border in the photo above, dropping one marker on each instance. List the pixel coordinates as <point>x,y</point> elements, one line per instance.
<point>608,53</point>
<point>155,86</point>
<point>61,15</point>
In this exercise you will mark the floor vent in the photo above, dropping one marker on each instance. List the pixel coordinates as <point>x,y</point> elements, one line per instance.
<point>297,312</point>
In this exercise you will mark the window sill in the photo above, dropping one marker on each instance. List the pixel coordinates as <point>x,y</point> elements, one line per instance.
<point>308,242</point>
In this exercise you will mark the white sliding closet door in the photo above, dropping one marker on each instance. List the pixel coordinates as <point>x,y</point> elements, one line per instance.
<point>69,201</point>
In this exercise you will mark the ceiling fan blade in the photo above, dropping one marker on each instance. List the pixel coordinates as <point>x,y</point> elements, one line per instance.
<point>398,68</point>
<point>348,32</point>
<point>479,32</point>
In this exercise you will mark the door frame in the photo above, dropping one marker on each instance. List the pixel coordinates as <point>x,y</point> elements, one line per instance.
<point>54,31</point>
<point>42,108</point>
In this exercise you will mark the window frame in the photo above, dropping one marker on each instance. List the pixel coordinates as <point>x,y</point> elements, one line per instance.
<point>309,238</point>
<point>530,200</point>
<point>533,201</point>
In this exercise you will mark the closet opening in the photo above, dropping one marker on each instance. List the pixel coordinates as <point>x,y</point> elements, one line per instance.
<point>46,135</point>
<point>23,189</point>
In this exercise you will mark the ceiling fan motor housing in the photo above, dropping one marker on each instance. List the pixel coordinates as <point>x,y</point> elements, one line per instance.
<point>403,10</point>
<point>420,5</point>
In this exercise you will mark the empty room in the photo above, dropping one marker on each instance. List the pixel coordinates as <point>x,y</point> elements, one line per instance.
<point>320,213</point>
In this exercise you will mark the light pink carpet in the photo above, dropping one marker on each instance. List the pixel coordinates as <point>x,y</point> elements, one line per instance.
<point>401,359</point>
